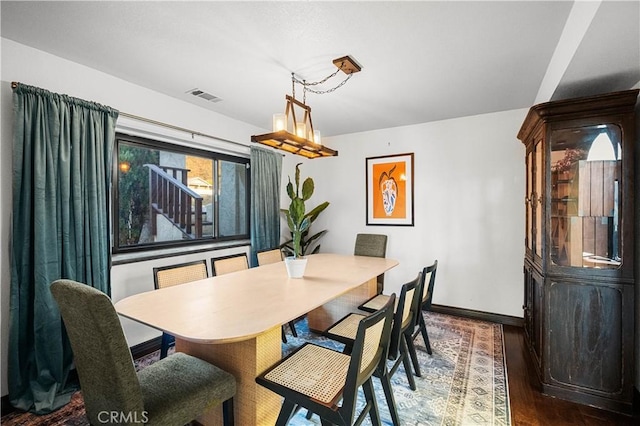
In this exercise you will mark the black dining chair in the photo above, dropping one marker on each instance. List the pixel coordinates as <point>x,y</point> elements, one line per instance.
<point>326,382</point>
<point>168,276</point>
<point>429,273</point>
<point>401,346</point>
<point>266,257</point>
<point>227,264</point>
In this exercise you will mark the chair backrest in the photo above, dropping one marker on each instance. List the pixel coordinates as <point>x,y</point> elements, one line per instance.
<point>269,256</point>
<point>227,264</point>
<point>167,276</point>
<point>429,273</point>
<point>108,378</point>
<point>370,348</point>
<point>373,245</point>
<point>404,316</point>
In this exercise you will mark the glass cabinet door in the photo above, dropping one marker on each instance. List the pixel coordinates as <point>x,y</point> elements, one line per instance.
<point>529,201</point>
<point>537,198</point>
<point>585,196</point>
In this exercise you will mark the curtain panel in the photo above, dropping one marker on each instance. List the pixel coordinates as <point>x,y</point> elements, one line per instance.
<point>60,229</point>
<point>266,175</point>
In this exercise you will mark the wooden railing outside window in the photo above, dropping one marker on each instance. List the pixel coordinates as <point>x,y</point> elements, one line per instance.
<point>170,196</point>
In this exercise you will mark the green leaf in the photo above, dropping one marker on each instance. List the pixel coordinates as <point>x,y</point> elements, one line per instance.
<point>297,179</point>
<point>305,224</point>
<point>313,214</point>
<point>307,188</point>
<point>296,210</point>
<point>290,190</point>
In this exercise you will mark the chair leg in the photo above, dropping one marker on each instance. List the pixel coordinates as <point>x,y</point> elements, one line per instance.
<point>286,412</point>
<point>391,402</point>
<point>284,335</point>
<point>370,396</point>
<point>423,330</point>
<point>292,326</point>
<point>407,365</point>
<point>227,412</point>
<point>164,345</point>
<point>414,355</point>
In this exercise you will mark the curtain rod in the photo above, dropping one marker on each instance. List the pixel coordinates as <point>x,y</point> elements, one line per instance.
<point>181,129</point>
<point>14,84</point>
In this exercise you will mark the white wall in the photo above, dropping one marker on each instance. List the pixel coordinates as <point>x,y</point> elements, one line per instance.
<point>469,206</point>
<point>33,67</point>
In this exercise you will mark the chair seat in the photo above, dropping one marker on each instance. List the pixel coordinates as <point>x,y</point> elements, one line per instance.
<point>178,388</point>
<point>345,329</point>
<point>314,371</point>
<point>376,302</point>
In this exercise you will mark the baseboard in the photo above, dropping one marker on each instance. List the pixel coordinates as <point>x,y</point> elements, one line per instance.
<point>479,315</point>
<point>146,348</point>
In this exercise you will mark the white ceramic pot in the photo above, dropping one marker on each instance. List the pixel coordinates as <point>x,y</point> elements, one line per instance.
<point>295,267</point>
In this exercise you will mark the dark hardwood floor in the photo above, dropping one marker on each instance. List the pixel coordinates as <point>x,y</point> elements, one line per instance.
<point>530,407</point>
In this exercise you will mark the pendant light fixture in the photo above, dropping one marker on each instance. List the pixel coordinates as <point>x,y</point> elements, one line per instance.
<point>293,131</point>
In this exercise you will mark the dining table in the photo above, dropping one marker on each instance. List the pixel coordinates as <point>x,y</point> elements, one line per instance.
<point>234,320</point>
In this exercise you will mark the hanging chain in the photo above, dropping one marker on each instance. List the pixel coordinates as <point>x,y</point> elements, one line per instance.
<point>306,87</point>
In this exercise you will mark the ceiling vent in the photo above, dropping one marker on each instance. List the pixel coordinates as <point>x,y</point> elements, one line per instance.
<point>204,95</point>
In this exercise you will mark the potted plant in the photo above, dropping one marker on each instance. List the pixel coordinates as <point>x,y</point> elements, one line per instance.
<point>299,221</point>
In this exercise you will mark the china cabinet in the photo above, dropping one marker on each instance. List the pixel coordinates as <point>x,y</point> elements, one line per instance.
<point>579,247</point>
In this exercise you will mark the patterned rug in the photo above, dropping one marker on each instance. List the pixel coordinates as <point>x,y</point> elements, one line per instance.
<point>464,382</point>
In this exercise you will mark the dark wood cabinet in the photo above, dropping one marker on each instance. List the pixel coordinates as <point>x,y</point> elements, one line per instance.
<point>579,247</point>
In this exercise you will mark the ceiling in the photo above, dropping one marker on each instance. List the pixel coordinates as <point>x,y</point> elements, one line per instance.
<point>422,61</point>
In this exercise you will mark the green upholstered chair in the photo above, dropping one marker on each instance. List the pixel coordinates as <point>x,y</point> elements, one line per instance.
<point>168,276</point>
<point>172,391</point>
<point>429,273</point>
<point>326,382</point>
<point>401,346</point>
<point>373,245</point>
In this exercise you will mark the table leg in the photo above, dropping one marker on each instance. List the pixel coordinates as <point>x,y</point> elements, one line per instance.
<point>253,404</point>
<point>328,314</point>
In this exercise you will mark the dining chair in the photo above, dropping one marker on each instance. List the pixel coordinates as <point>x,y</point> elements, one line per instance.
<point>400,348</point>
<point>273,255</point>
<point>227,264</point>
<point>373,245</point>
<point>172,391</point>
<point>326,382</point>
<point>267,256</point>
<point>168,276</point>
<point>429,273</point>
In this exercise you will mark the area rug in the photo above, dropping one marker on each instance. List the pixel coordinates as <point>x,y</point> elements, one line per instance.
<point>464,381</point>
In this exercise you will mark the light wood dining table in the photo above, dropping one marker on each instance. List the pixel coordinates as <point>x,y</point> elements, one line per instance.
<point>234,320</point>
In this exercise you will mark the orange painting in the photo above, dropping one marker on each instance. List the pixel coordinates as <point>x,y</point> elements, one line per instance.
<point>389,190</point>
<point>389,184</point>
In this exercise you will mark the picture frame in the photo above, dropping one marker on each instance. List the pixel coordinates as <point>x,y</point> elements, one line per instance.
<point>389,189</point>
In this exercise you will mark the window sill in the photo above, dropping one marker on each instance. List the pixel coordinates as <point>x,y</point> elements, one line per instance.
<point>124,258</point>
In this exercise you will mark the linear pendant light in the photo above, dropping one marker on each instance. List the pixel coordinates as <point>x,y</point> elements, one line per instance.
<point>297,136</point>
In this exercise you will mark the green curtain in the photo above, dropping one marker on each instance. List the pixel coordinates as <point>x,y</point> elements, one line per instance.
<point>266,171</point>
<point>61,175</point>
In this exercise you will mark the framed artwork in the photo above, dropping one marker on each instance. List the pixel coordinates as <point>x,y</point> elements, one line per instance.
<point>390,190</point>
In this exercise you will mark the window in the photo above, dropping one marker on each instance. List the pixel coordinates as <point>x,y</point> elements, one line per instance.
<point>170,195</point>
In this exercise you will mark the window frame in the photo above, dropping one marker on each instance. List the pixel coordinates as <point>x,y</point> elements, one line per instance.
<point>214,156</point>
